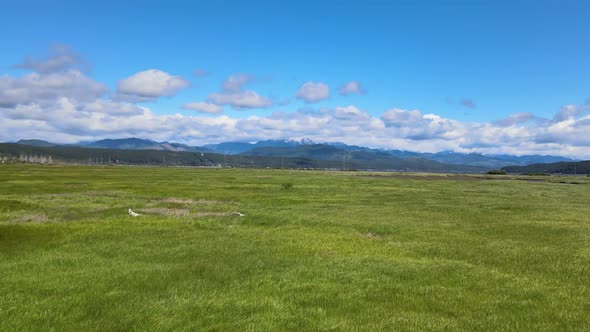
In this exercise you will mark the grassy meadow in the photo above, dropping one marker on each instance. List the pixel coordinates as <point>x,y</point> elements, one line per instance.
<point>315,250</point>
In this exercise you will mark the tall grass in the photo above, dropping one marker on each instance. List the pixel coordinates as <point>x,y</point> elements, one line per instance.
<point>337,251</point>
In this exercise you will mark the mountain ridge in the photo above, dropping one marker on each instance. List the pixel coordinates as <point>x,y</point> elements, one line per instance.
<point>21,153</point>
<point>281,148</point>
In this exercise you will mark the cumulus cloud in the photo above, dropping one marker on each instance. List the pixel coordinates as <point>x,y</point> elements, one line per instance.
<point>568,112</point>
<point>350,113</point>
<point>572,133</point>
<point>61,57</point>
<point>149,85</point>
<point>313,92</point>
<point>352,87</point>
<point>244,99</point>
<point>69,120</point>
<point>514,119</point>
<point>398,117</point>
<point>233,94</point>
<point>204,107</point>
<point>236,82</point>
<point>48,87</point>
<point>64,105</point>
<point>111,108</point>
<point>57,76</point>
<point>56,112</point>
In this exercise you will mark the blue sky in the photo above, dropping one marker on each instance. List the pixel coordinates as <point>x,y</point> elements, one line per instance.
<point>470,63</point>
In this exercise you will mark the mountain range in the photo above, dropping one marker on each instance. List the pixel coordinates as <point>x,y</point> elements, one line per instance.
<point>307,149</point>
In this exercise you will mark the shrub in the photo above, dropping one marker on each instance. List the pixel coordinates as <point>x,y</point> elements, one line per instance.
<point>497,172</point>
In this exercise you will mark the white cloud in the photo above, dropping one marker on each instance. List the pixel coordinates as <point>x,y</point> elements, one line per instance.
<point>112,108</point>
<point>350,113</point>
<point>313,92</point>
<point>46,88</point>
<point>398,117</point>
<point>235,83</point>
<point>61,57</point>
<point>68,120</point>
<point>150,85</point>
<point>514,119</point>
<point>233,94</point>
<point>568,112</point>
<point>204,107</point>
<point>351,87</point>
<point>58,102</point>
<point>244,99</point>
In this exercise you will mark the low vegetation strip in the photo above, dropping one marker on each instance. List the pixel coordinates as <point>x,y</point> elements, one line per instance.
<point>580,167</point>
<point>336,251</point>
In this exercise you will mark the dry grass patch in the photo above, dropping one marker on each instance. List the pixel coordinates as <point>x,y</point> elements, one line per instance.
<point>36,218</point>
<point>215,214</point>
<point>188,201</point>
<point>371,235</point>
<point>174,212</point>
<point>167,211</point>
<point>177,200</point>
<point>90,193</point>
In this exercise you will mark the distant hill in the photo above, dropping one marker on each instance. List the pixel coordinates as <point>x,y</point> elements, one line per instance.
<point>315,151</point>
<point>473,159</point>
<point>183,147</point>
<point>322,152</point>
<point>580,167</point>
<point>126,143</point>
<point>134,143</point>
<point>35,142</point>
<point>306,148</point>
<point>19,153</point>
<point>241,147</point>
<point>445,157</point>
<point>531,159</point>
<point>362,159</point>
<point>490,161</point>
<point>229,147</point>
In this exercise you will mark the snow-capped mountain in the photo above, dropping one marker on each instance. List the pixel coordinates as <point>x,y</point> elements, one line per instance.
<point>300,141</point>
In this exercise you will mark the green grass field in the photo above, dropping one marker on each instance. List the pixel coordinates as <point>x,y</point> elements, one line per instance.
<point>337,251</point>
